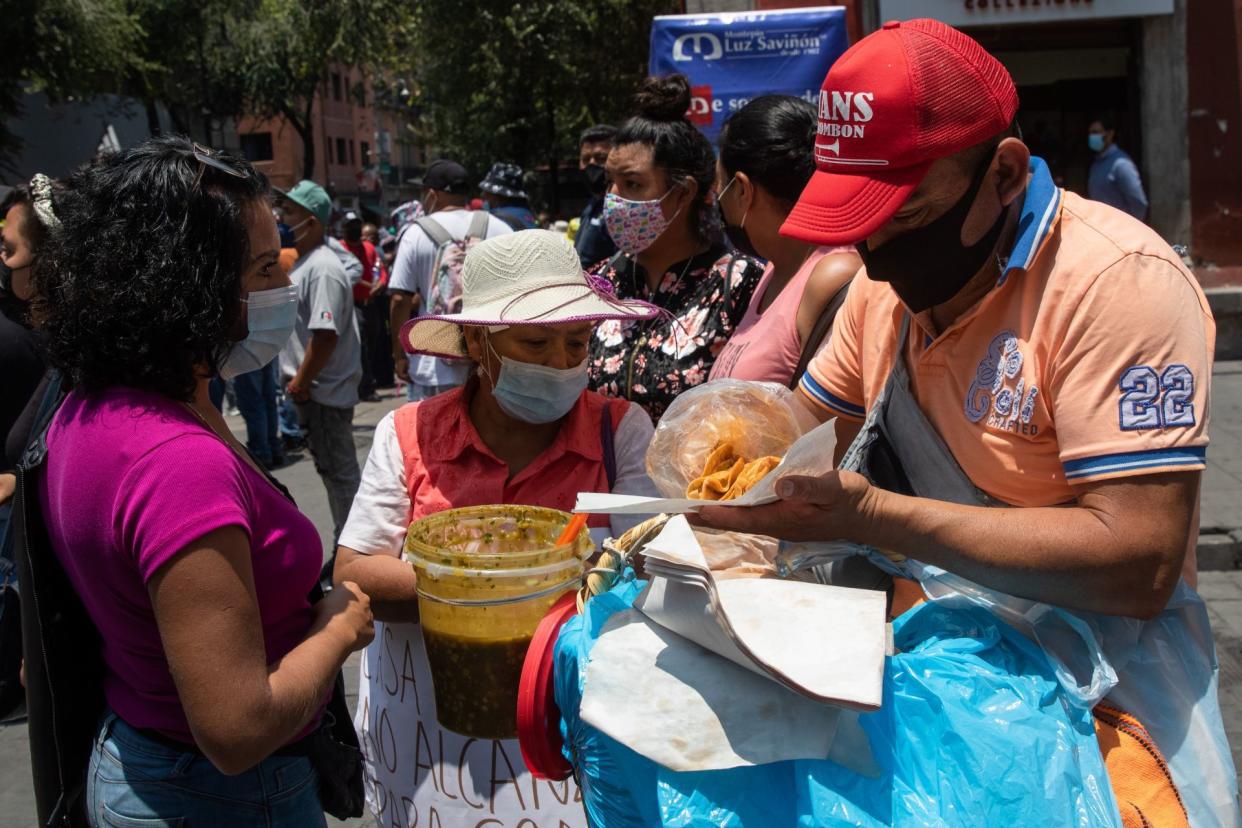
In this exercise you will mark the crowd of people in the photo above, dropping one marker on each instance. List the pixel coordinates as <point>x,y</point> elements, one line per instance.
<point>1052,350</point>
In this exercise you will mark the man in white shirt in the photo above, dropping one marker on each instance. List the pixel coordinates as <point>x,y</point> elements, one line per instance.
<point>446,189</point>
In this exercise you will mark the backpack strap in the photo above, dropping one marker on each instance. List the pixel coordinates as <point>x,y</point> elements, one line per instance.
<point>727,288</point>
<point>53,396</point>
<point>478,225</point>
<point>434,230</point>
<point>607,439</point>
<point>816,338</point>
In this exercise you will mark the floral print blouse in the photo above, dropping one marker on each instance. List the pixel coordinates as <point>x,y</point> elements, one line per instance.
<point>652,361</point>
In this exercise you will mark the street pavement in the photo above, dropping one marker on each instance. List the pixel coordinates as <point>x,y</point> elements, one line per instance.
<point>1220,580</point>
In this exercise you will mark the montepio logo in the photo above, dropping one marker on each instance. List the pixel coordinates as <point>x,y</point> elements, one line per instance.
<point>844,114</point>
<point>704,44</point>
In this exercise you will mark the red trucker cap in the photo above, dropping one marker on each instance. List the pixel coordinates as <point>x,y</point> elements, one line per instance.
<point>897,100</point>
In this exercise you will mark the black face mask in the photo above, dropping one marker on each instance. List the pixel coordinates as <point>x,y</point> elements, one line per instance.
<point>10,306</point>
<point>738,237</point>
<point>736,233</point>
<point>596,179</point>
<point>929,265</point>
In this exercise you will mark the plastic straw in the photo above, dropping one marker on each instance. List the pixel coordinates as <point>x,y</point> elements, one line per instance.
<point>571,530</point>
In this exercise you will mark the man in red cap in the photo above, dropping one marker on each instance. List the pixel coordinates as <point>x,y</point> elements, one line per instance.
<point>1012,345</point>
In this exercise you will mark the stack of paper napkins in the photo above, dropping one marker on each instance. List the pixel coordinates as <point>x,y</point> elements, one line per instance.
<point>705,674</point>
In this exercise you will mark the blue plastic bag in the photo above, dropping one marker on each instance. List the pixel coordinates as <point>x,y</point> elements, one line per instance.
<point>975,730</point>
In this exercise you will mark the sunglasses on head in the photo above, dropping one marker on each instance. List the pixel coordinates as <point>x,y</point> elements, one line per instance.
<point>206,158</point>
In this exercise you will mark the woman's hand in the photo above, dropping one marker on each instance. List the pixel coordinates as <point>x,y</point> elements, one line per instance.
<point>346,612</point>
<point>833,506</point>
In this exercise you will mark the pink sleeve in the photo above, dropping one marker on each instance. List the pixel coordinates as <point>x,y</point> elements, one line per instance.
<point>176,493</point>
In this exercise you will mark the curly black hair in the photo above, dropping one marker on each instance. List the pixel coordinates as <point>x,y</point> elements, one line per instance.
<point>141,282</point>
<point>677,146</point>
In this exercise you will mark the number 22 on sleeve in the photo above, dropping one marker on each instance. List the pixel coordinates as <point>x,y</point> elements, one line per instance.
<point>1150,400</point>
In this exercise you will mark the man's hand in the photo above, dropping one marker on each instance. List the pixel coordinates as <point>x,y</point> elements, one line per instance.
<point>8,485</point>
<point>834,506</point>
<point>400,310</point>
<point>297,391</point>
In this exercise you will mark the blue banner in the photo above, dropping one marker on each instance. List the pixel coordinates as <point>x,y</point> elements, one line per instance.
<point>732,57</point>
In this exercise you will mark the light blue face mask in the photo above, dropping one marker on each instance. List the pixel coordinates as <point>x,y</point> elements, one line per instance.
<point>536,393</point>
<point>1095,141</point>
<point>270,319</point>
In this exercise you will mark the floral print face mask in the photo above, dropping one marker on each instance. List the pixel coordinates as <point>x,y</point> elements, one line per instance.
<point>635,225</point>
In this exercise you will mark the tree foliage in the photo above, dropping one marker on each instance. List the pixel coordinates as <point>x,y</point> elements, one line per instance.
<point>187,59</point>
<point>67,49</point>
<point>487,80</point>
<point>517,82</point>
<point>291,45</point>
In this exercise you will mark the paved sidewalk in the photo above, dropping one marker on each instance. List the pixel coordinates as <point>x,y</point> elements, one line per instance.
<point>1221,515</point>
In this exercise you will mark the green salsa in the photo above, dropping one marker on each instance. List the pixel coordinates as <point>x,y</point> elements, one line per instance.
<point>476,683</point>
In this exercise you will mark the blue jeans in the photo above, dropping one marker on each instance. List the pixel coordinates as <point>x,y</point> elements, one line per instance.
<point>290,425</point>
<point>216,390</point>
<point>256,399</point>
<point>136,782</point>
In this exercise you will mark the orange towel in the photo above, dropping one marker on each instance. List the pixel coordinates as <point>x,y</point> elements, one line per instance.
<point>1139,775</point>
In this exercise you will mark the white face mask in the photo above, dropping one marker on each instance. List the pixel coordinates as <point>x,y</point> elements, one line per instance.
<point>270,318</point>
<point>536,393</point>
<point>296,238</point>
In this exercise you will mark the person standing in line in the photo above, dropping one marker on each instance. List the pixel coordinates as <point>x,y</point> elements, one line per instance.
<point>28,216</point>
<point>506,198</point>
<point>364,293</point>
<point>661,212</point>
<point>523,430</point>
<point>767,156</point>
<point>322,361</point>
<point>1114,177</point>
<point>446,188</point>
<point>592,242</point>
<point>192,565</point>
<point>381,355</point>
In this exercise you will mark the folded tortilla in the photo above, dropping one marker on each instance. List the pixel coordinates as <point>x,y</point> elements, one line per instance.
<point>726,476</point>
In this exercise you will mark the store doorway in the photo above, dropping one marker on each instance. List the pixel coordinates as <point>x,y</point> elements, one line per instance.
<point>1068,75</point>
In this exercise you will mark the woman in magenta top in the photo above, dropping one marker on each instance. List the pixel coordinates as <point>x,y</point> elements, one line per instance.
<point>160,274</point>
<point>766,158</point>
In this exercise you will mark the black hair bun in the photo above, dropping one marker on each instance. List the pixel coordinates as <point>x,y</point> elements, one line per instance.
<point>663,99</point>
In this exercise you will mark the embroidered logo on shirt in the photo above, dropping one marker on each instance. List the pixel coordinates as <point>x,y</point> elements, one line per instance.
<point>325,316</point>
<point>999,393</point>
<point>1152,400</point>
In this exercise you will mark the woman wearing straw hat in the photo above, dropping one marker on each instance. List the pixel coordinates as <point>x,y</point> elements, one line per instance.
<point>523,430</point>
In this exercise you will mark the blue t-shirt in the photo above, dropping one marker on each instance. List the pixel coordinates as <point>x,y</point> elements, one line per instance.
<point>593,243</point>
<point>1114,179</point>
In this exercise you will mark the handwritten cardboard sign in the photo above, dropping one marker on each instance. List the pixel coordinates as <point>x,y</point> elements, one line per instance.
<point>420,775</point>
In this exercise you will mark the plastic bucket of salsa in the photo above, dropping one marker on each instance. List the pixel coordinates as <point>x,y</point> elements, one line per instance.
<point>486,577</point>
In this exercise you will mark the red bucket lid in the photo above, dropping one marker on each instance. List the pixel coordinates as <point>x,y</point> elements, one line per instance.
<point>538,717</point>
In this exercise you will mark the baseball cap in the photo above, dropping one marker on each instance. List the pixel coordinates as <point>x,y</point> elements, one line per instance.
<point>446,176</point>
<point>313,198</point>
<point>911,93</point>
